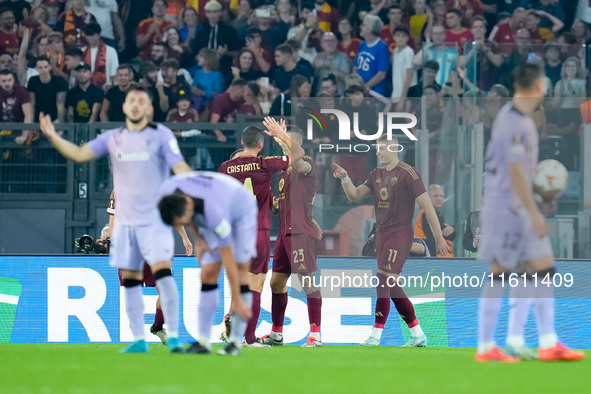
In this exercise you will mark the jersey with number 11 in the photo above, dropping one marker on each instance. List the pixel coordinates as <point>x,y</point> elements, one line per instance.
<point>255,173</point>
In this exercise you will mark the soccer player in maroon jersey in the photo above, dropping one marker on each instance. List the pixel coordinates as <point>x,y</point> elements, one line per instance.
<point>295,248</point>
<point>395,188</point>
<point>255,173</point>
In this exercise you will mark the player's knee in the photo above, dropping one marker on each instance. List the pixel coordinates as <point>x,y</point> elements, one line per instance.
<point>131,282</point>
<point>162,273</point>
<point>278,286</point>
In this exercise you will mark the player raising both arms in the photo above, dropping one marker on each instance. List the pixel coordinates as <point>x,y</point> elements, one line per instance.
<point>295,248</point>
<point>395,188</point>
<point>516,230</point>
<point>255,173</point>
<point>142,155</point>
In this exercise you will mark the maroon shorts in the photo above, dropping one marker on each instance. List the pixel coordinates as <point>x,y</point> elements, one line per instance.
<point>295,254</point>
<point>393,247</point>
<point>149,280</point>
<point>260,263</point>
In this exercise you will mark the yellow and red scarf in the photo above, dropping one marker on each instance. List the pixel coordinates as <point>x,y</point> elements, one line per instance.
<point>99,76</point>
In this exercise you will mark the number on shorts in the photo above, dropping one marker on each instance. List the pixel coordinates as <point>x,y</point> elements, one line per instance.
<point>511,240</point>
<point>392,255</point>
<point>298,256</point>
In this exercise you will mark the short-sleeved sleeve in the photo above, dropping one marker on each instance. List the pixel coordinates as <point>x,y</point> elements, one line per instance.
<point>217,106</point>
<point>416,184</point>
<point>383,57</point>
<point>170,147</point>
<point>100,145</point>
<point>276,163</point>
<point>370,180</point>
<point>514,143</point>
<point>23,95</point>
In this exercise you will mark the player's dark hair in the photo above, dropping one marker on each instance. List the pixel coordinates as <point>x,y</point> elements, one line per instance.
<point>6,9</point>
<point>164,1</point>
<point>137,87</point>
<point>402,29</point>
<point>330,78</point>
<point>235,153</point>
<point>526,76</point>
<point>478,18</point>
<point>92,28</point>
<point>6,72</point>
<point>353,89</point>
<point>170,63</point>
<point>74,52</point>
<point>436,88</point>
<point>162,44</point>
<point>239,82</point>
<point>251,136</point>
<point>254,88</point>
<point>171,207</point>
<point>126,67</point>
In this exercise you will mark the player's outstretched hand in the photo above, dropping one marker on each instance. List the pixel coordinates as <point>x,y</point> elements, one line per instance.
<point>274,129</point>
<point>539,224</point>
<point>340,172</point>
<point>47,126</point>
<point>240,308</point>
<point>441,246</point>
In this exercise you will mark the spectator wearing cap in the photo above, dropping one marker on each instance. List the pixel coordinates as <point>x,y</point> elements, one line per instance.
<point>72,24</point>
<point>149,73</point>
<point>83,101</point>
<point>331,62</point>
<point>106,13</point>
<point>487,59</point>
<point>539,34</point>
<point>456,33</point>
<point>183,113</point>
<point>102,58</point>
<point>217,35</point>
<point>504,33</point>
<point>287,68</point>
<point>151,30</point>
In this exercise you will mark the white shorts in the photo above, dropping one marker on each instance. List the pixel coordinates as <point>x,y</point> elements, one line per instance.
<point>508,238</point>
<point>132,245</point>
<point>244,240</point>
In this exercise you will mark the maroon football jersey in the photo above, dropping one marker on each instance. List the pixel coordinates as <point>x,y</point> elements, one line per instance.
<point>190,116</point>
<point>394,194</point>
<point>255,173</point>
<point>296,201</point>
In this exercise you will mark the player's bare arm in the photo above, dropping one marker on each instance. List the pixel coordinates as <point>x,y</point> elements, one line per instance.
<point>186,241</point>
<point>275,130</point>
<point>520,185</point>
<point>69,150</point>
<point>238,306</point>
<point>425,203</point>
<point>181,167</point>
<point>354,194</point>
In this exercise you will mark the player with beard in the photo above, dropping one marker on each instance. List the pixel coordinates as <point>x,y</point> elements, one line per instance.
<point>142,155</point>
<point>255,172</point>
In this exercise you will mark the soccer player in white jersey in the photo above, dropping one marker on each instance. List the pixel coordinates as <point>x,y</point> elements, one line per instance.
<point>142,155</point>
<point>515,229</point>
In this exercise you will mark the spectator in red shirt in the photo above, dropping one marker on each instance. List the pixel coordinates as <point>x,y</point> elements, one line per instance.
<point>9,33</point>
<point>152,29</point>
<point>504,33</point>
<point>347,43</point>
<point>456,33</point>
<point>225,105</point>
<point>395,19</point>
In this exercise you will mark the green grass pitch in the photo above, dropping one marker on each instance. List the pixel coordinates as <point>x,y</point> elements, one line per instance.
<point>98,368</point>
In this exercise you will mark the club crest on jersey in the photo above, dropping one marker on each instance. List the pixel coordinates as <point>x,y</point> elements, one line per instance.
<point>379,180</point>
<point>384,193</point>
<point>281,184</point>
